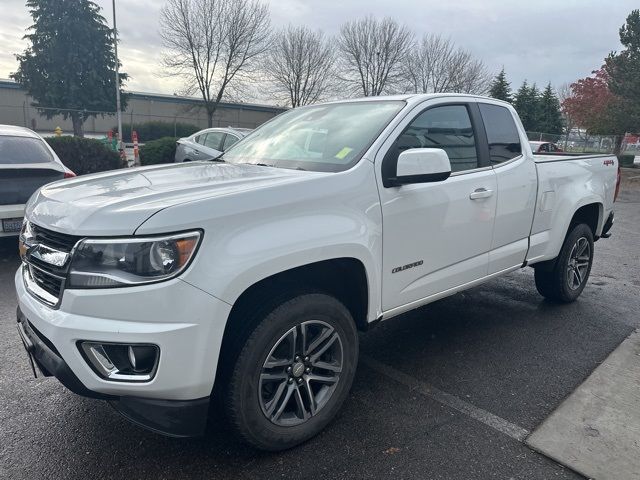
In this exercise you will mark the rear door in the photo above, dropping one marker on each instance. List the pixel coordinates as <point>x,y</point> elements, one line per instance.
<point>517,187</point>
<point>26,164</point>
<point>211,145</point>
<point>437,235</point>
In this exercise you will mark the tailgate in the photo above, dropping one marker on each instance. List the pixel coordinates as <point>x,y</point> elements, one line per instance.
<point>18,184</point>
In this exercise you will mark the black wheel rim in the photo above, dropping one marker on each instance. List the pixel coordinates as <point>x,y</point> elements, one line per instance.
<point>301,373</point>
<point>579,261</point>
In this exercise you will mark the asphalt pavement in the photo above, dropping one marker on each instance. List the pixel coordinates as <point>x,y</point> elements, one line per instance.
<point>448,391</point>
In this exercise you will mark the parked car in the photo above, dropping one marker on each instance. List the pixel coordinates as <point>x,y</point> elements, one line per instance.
<point>26,163</point>
<point>208,144</point>
<point>544,147</point>
<point>248,278</point>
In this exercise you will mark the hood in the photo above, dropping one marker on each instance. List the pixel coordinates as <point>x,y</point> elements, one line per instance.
<point>117,202</point>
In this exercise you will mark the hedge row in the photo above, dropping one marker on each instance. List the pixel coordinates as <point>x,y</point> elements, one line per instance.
<point>162,150</point>
<point>626,160</point>
<point>85,155</point>
<point>155,130</point>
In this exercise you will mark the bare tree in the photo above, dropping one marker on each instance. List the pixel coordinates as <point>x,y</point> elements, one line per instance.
<point>212,44</point>
<point>300,65</point>
<point>372,53</point>
<point>564,92</point>
<point>435,65</point>
<point>469,75</point>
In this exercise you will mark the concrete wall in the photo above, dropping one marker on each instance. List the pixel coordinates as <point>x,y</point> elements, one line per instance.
<point>16,109</point>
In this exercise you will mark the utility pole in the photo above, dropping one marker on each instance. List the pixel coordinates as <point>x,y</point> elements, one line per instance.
<point>118,113</point>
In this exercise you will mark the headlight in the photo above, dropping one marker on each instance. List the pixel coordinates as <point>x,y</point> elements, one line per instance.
<point>122,262</point>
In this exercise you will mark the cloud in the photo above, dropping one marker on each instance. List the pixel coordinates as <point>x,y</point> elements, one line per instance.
<point>542,41</point>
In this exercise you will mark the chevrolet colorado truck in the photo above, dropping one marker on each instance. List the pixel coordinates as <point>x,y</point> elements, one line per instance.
<point>241,283</point>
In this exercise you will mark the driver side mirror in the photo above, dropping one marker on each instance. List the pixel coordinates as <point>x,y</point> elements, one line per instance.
<point>420,165</point>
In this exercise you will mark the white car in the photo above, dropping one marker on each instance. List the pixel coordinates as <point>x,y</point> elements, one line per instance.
<point>155,287</point>
<point>208,144</point>
<point>26,163</point>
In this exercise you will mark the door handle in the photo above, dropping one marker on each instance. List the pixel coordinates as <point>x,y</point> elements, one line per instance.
<point>479,193</point>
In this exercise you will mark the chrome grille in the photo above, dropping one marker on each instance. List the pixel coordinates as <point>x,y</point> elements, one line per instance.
<point>45,279</point>
<point>60,241</point>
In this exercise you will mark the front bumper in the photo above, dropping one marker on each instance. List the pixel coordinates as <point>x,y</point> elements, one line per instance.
<point>176,418</point>
<point>186,324</point>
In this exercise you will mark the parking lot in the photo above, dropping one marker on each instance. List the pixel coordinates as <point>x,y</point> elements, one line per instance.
<point>448,391</point>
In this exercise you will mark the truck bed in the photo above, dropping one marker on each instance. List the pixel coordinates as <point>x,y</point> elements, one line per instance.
<point>563,157</point>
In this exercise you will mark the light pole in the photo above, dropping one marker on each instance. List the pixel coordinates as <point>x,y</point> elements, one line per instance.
<point>118,112</point>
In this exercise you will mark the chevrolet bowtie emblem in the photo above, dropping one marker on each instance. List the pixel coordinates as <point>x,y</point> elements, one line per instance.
<point>48,255</point>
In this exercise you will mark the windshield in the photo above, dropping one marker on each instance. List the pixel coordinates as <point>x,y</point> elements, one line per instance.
<point>327,138</point>
<point>22,150</point>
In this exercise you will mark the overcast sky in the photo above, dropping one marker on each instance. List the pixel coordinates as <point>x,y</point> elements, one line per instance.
<point>542,41</point>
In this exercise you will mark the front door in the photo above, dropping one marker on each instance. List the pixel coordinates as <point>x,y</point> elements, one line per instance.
<point>436,236</point>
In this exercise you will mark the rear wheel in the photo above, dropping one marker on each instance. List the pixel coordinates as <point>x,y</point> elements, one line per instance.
<point>293,372</point>
<point>567,278</point>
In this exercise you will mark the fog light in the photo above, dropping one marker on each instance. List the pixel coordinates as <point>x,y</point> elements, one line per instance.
<point>142,357</point>
<point>122,362</point>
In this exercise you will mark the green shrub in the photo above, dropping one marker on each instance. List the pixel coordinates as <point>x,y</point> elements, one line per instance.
<point>84,155</point>
<point>626,160</point>
<point>154,130</point>
<point>162,150</point>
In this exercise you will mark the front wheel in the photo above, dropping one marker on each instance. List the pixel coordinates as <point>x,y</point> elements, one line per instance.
<point>293,372</point>
<point>568,277</point>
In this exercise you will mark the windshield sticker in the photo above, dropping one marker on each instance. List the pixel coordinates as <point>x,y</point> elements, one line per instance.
<point>343,153</point>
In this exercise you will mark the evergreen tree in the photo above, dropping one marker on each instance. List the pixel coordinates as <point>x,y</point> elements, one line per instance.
<point>69,66</point>
<point>500,88</point>
<point>535,109</point>
<point>550,117</point>
<point>526,104</point>
<point>623,71</point>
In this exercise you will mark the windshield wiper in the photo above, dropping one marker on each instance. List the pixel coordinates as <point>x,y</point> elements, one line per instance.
<point>218,158</point>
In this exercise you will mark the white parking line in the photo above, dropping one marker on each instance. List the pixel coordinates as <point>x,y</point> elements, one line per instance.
<point>500,424</point>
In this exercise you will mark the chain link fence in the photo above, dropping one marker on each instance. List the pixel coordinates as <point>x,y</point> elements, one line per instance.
<point>580,142</point>
<point>172,112</point>
<point>169,110</point>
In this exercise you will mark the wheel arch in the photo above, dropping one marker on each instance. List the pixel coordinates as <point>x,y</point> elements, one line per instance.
<point>591,214</point>
<point>344,278</point>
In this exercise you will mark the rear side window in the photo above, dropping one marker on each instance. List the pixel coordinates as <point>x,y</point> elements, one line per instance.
<point>502,133</point>
<point>21,150</point>
<point>213,140</point>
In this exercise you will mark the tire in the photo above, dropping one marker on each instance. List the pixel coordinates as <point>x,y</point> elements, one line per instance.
<point>567,278</point>
<point>277,398</point>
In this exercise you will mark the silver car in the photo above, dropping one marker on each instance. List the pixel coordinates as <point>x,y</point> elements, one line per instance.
<point>208,144</point>
<point>26,163</point>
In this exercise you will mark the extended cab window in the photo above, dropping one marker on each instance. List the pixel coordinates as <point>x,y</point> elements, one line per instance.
<point>502,133</point>
<point>447,127</point>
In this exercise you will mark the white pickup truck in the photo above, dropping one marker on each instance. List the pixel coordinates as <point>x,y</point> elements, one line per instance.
<point>246,279</point>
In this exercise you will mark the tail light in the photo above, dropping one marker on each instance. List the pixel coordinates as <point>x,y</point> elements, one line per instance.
<point>615,195</point>
<point>69,174</point>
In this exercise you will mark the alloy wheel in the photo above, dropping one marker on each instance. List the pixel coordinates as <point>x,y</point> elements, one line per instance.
<point>579,261</point>
<point>301,373</point>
